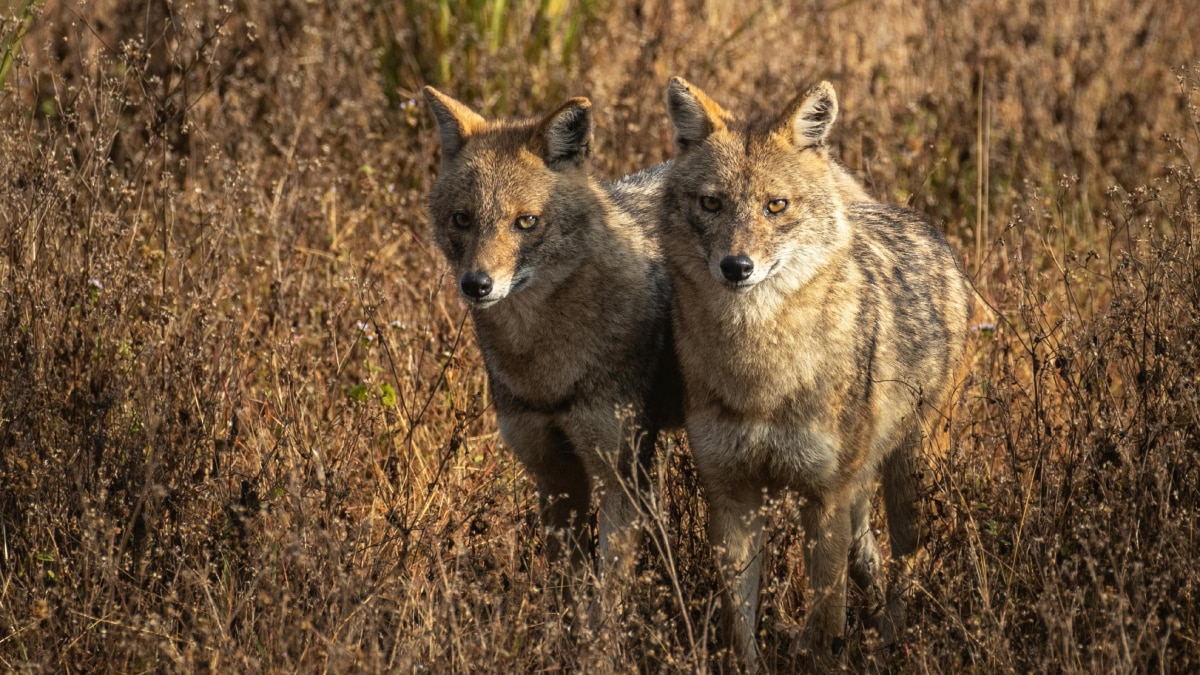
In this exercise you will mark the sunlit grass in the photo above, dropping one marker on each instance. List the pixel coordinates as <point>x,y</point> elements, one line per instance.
<point>244,423</point>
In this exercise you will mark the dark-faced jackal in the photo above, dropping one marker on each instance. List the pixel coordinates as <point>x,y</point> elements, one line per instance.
<point>818,333</point>
<point>571,303</point>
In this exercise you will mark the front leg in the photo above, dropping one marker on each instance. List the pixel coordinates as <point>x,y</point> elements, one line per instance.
<point>619,446</point>
<point>827,539</point>
<point>866,564</point>
<point>619,534</point>
<point>901,495</point>
<point>735,533</point>
<point>564,490</point>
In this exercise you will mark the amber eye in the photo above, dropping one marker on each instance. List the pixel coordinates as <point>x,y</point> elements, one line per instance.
<point>710,204</point>
<point>526,222</point>
<point>461,220</point>
<point>777,206</point>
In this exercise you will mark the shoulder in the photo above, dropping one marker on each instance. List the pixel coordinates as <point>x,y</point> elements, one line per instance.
<point>890,223</point>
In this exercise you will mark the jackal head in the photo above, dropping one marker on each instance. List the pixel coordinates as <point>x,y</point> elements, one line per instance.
<point>750,202</point>
<point>509,196</point>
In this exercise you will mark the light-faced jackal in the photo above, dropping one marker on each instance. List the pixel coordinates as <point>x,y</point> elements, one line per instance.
<point>570,299</point>
<point>818,332</point>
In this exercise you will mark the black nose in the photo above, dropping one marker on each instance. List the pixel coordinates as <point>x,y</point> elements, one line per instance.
<point>737,267</point>
<point>475,284</point>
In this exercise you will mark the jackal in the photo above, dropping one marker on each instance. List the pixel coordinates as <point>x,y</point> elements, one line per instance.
<point>817,332</point>
<point>570,299</point>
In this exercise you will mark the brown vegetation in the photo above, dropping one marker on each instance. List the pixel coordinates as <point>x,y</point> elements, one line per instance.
<point>243,425</point>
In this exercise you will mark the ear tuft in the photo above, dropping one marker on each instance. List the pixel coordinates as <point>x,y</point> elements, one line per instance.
<point>564,137</point>
<point>694,114</point>
<point>811,115</point>
<point>456,122</point>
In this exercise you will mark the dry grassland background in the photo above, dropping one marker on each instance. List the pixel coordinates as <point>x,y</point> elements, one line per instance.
<point>244,426</point>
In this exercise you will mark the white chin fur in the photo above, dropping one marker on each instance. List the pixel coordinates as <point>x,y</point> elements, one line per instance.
<point>485,302</point>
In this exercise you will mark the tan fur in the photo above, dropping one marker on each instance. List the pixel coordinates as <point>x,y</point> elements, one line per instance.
<point>817,370</point>
<point>575,327</point>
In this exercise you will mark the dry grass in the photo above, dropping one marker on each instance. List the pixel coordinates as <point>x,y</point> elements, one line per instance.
<point>243,425</point>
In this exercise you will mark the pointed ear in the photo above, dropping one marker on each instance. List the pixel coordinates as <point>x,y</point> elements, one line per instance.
<point>456,122</point>
<point>694,114</point>
<point>564,137</point>
<point>808,117</point>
